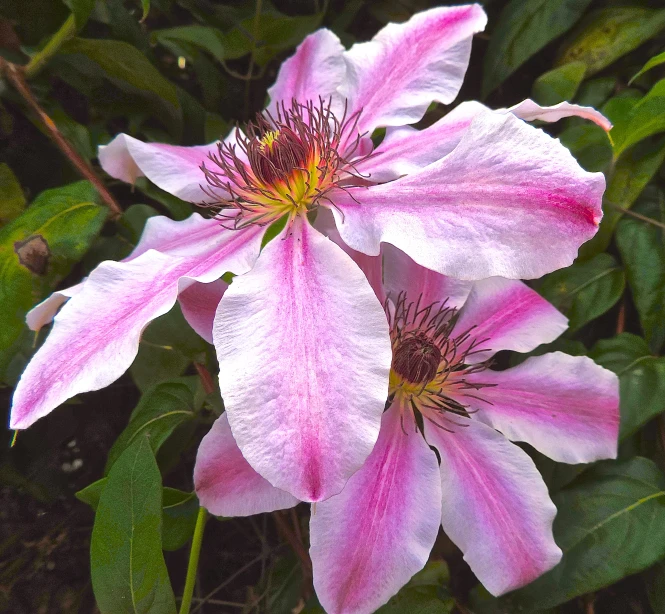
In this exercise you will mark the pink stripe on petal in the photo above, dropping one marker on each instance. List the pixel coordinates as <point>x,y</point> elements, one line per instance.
<point>304,356</point>
<point>370,539</point>
<point>401,274</point>
<point>567,407</point>
<point>485,208</point>
<point>315,70</point>
<point>529,110</point>
<point>394,77</point>
<point>225,483</point>
<point>95,336</point>
<point>173,168</point>
<point>506,314</point>
<point>496,507</point>
<point>405,150</point>
<point>199,303</point>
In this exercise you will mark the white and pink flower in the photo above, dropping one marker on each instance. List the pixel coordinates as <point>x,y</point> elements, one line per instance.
<point>369,540</point>
<point>302,341</point>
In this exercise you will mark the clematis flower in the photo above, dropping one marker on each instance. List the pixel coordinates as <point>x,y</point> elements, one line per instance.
<point>302,341</point>
<point>486,492</point>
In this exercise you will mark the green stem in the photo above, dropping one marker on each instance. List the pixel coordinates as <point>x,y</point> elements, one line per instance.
<point>193,565</point>
<point>40,58</point>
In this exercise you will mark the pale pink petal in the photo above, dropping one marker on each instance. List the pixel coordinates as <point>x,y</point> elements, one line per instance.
<point>173,168</point>
<point>315,71</point>
<point>405,150</point>
<point>199,303</point>
<point>42,313</point>
<point>401,274</point>
<point>567,407</point>
<point>304,356</point>
<point>95,336</point>
<point>505,314</point>
<point>485,209</point>
<point>225,483</point>
<point>496,507</point>
<point>370,265</point>
<point>370,539</point>
<point>529,110</point>
<point>394,77</point>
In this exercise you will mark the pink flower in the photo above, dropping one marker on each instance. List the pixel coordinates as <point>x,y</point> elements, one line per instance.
<point>302,341</point>
<point>485,491</point>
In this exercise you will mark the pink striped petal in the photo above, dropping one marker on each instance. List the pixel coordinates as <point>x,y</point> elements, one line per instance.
<point>394,77</point>
<point>173,168</point>
<point>304,356</point>
<point>225,483</point>
<point>199,303</point>
<point>401,274</point>
<point>405,150</point>
<point>529,110</point>
<point>95,336</point>
<point>315,71</point>
<point>505,314</point>
<point>370,539</point>
<point>483,209</point>
<point>496,507</point>
<point>42,313</point>
<point>567,407</point>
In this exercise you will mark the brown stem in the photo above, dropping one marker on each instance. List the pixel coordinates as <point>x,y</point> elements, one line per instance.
<point>206,379</point>
<point>297,546</point>
<point>15,75</point>
<point>621,318</point>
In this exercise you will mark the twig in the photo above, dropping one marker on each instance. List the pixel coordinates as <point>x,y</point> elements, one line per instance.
<point>621,318</point>
<point>193,565</point>
<point>637,215</point>
<point>15,74</point>
<point>294,542</point>
<point>206,379</point>
<point>39,60</point>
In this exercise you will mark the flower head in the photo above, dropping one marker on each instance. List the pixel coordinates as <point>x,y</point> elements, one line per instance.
<point>300,331</point>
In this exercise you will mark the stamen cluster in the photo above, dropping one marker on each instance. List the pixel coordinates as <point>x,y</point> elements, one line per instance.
<point>430,362</point>
<point>283,165</point>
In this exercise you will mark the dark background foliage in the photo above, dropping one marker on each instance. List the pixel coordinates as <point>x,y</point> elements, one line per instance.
<point>184,71</point>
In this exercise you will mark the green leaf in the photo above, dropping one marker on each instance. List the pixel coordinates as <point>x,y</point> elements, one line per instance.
<point>167,348</point>
<point>158,413</point>
<point>81,10</point>
<point>559,84</point>
<point>631,174</point>
<point>129,69</point>
<point>426,593</point>
<point>12,200</point>
<point>641,379</point>
<point>607,34</point>
<point>179,518</point>
<point>656,60</point>
<point>610,524</point>
<point>523,29</point>
<point>127,566</point>
<point>220,45</point>
<point>642,248</point>
<point>585,290</point>
<point>179,510</point>
<point>38,249</point>
<point>656,587</point>
<point>589,144</point>
<point>646,118</point>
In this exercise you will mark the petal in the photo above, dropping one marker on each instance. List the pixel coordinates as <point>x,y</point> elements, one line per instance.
<point>225,483</point>
<point>401,274</point>
<point>95,336</point>
<point>483,209</point>
<point>496,507</point>
<point>199,303</point>
<point>315,71</point>
<point>405,150</point>
<point>394,77</point>
<point>188,237</point>
<point>529,110</point>
<point>370,539</point>
<point>506,314</point>
<point>567,407</point>
<point>175,169</point>
<point>304,356</point>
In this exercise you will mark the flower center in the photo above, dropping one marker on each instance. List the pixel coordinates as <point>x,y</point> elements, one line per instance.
<point>431,361</point>
<point>283,165</point>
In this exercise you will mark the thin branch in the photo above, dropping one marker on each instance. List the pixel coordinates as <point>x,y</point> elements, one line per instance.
<point>39,60</point>
<point>15,74</point>
<point>636,215</point>
<point>294,542</point>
